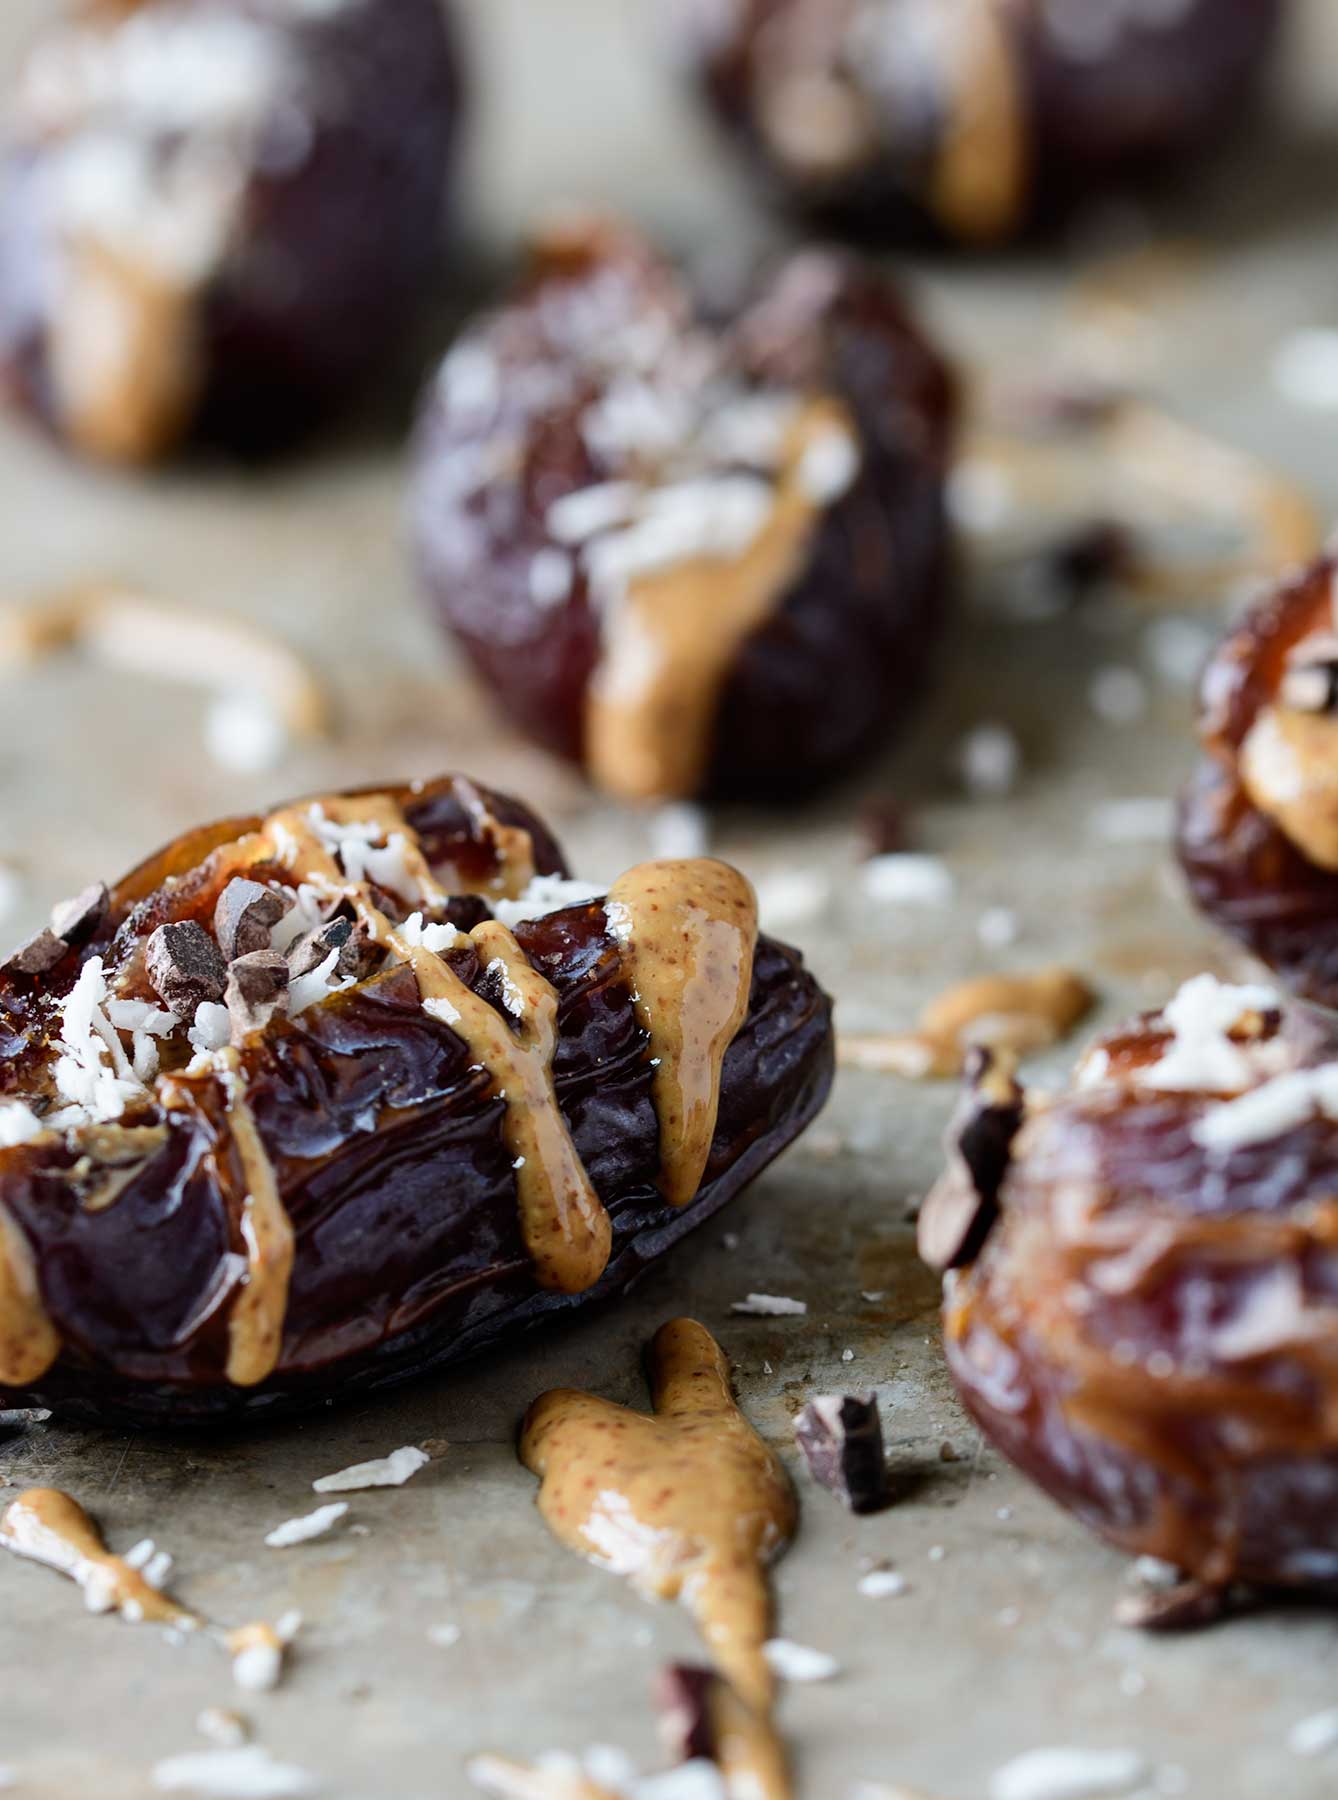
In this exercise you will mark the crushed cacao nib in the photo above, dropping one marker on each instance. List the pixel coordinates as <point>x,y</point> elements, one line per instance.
<point>257,987</point>
<point>962,1208</point>
<point>841,1436</point>
<point>244,917</point>
<point>683,1694</point>
<point>37,955</point>
<point>185,966</point>
<point>311,951</point>
<point>76,920</point>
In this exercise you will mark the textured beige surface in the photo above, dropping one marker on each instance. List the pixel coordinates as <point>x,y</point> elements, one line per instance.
<point>1001,1643</point>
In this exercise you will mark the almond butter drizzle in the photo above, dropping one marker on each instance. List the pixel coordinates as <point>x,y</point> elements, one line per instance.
<point>688,931</point>
<point>689,1505</point>
<point>1020,1013</point>
<point>1289,768</point>
<point>47,1526</point>
<point>124,355</point>
<point>671,641</point>
<point>29,1342</point>
<point>255,1325</point>
<point>980,178</point>
<point>563,1222</point>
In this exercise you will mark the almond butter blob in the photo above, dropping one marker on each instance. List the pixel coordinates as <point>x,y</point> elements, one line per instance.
<point>690,1505</point>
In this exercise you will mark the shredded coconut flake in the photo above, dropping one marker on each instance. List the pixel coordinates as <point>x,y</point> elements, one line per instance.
<point>313,1525</point>
<point>1267,1112</point>
<point>578,517</point>
<point>882,1584</point>
<point>796,1662</point>
<point>95,1074</point>
<point>389,1471</point>
<point>545,894</point>
<point>1068,1774</point>
<point>1314,1736</point>
<point>771,1306</point>
<point>828,467</point>
<point>1201,1057</point>
<point>908,880</point>
<point>19,1124</point>
<point>248,1772</point>
<point>428,937</point>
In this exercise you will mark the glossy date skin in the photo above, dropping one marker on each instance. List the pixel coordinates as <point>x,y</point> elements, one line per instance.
<point>385,1140</point>
<point>1150,1331</point>
<point>844,653</point>
<point>339,226</point>
<point>1244,871</point>
<point>1128,100</point>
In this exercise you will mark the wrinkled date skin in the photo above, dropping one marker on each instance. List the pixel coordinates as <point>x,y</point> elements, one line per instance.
<point>384,1135</point>
<point>844,650</point>
<point>1150,1331</point>
<point>849,110</point>
<point>1244,870</point>
<point>336,230</point>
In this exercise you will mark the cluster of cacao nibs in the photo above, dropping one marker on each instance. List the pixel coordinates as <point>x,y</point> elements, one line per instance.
<point>236,966</point>
<point>73,923</point>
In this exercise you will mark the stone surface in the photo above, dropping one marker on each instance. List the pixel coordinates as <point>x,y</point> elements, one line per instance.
<point>1002,1643</point>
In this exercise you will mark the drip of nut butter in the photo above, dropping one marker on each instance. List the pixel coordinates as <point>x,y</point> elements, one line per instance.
<point>979,180</point>
<point>689,1504</point>
<point>29,1342</point>
<point>1289,759</point>
<point>46,1526</point>
<point>255,1324</point>
<point>672,639</point>
<point>1017,1013</point>
<point>124,355</point>
<point>688,931</point>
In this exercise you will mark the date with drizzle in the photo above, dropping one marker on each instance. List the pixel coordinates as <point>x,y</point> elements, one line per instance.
<point>320,1100</point>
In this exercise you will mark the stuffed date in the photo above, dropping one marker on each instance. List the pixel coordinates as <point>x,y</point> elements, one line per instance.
<point>970,119</point>
<point>1258,832</point>
<point>218,216</point>
<point>695,555</point>
<point>1141,1309</point>
<point>313,1102</point>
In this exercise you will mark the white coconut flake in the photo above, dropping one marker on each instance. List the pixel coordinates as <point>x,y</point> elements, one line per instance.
<point>989,760</point>
<point>1202,1058</point>
<point>19,1124</point>
<point>1316,1735</point>
<point>1269,1111</point>
<point>388,1471</point>
<point>245,734</point>
<point>828,467</point>
<point>221,1726</point>
<point>445,1637</point>
<point>428,937</point>
<point>1141,820</point>
<point>545,894</point>
<point>212,1029</point>
<point>94,1074</point>
<point>1119,696</point>
<point>790,897</point>
<point>770,1306</point>
<point>247,1772</point>
<point>436,1006</point>
<point>998,927</point>
<point>679,831</point>
<point>1069,1774</point>
<point>552,577</point>
<point>258,1668</point>
<point>306,990</point>
<point>904,879</point>
<point>1305,369</point>
<point>578,517</point>
<point>796,1662</point>
<point>882,1584</point>
<point>303,1530</point>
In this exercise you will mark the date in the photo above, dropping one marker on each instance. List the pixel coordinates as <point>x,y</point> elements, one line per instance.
<point>325,1099</point>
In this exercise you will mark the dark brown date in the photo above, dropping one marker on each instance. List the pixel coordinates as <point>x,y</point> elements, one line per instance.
<point>696,552</point>
<point>345,1188</point>
<point>1150,1329</point>
<point>217,217</point>
<point>1255,837</point>
<point>969,119</point>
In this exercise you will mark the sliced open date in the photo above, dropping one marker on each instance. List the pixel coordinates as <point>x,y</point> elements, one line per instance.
<point>1258,833</point>
<point>1149,1328</point>
<point>262,1151</point>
